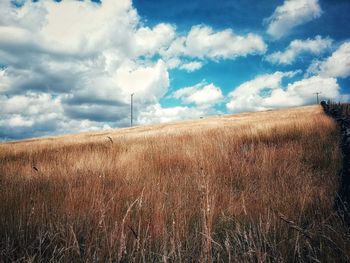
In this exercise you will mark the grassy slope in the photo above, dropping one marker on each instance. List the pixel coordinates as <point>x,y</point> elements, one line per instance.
<point>248,187</point>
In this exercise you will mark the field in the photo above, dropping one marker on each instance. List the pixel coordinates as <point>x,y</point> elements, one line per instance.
<point>253,187</point>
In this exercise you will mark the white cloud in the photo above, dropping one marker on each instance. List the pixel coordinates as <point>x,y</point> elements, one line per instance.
<point>192,66</point>
<point>290,14</point>
<point>55,55</point>
<point>38,114</point>
<point>29,104</point>
<point>297,47</point>
<point>18,121</point>
<point>157,114</point>
<point>71,66</point>
<point>66,27</point>
<point>173,62</point>
<point>151,41</point>
<point>69,25</point>
<point>202,94</point>
<point>176,62</point>
<point>249,96</point>
<point>203,42</point>
<point>149,83</point>
<point>105,97</point>
<point>337,65</point>
<point>90,71</point>
<point>5,80</point>
<point>303,92</point>
<point>25,115</point>
<point>266,92</point>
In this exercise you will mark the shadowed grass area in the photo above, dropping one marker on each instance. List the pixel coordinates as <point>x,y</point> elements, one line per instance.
<point>256,187</point>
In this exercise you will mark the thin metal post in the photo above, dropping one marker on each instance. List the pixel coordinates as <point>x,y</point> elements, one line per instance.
<point>317,93</point>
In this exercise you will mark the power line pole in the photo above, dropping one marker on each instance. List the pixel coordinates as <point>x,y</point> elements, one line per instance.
<point>317,93</point>
<point>131,108</point>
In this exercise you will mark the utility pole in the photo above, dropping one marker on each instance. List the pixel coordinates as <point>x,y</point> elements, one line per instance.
<point>131,107</point>
<point>317,93</point>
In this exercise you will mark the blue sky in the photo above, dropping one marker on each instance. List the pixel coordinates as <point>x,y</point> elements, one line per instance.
<point>70,66</point>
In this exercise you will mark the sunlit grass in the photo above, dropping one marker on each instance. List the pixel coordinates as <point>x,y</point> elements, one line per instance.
<point>253,187</point>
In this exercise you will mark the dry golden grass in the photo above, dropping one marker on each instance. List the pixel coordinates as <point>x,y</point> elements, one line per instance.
<point>254,187</point>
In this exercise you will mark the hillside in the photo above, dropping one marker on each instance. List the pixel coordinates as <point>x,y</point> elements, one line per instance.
<point>252,187</point>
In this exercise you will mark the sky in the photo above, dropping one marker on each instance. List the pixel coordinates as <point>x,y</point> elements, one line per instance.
<point>70,66</point>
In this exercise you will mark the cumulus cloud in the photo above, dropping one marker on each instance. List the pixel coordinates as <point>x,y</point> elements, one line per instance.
<point>183,64</point>
<point>38,114</point>
<point>77,74</point>
<point>66,29</point>
<point>203,95</point>
<point>71,66</point>
<point>290,14</point>
<point>203,42</point>
<point>337,65</point>
<point>105,97</point>
<point>142,80</point>
<point>267,92</point>
<point>60,72</point>
<point>192,66</point>
<point>150,41</point>
<point>297,47</point>
<point>158,114</point>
